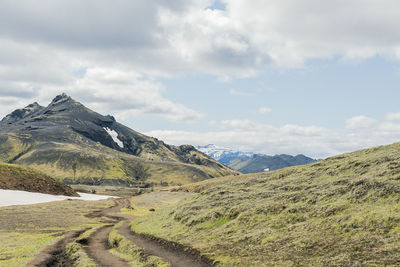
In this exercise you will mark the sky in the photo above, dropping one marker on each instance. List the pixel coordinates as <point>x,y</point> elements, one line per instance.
<point>318,78</point>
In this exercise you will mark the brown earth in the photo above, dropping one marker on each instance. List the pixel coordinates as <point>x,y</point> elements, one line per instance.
<point>15,177</point>
<point>97,249</point>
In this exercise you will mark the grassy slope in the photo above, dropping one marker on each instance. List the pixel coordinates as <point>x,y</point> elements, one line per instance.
<point>341,211</point>
<point>14,177</point>
<point>97,162</point>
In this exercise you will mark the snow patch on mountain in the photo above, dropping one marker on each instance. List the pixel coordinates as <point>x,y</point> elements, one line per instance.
<point>224,155</point>
<point>114,136</point>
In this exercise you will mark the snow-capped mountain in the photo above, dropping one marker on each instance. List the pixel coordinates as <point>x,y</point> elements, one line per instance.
<point>249,162</point>
<point>225,155</point>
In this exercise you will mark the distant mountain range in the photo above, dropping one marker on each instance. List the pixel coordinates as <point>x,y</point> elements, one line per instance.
<point>249,162</point>
<point>70,142</point>
<point>225,155</point>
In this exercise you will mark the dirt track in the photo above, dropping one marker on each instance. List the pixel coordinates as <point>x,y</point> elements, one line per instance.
<point>54,254</point>
<point>96,246</point>
<point>167,253</point>
<point>97,249</point>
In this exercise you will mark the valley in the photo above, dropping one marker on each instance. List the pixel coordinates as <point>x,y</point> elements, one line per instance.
<point>340,211</point>
<point>198,133</point>
<point>177,206</point>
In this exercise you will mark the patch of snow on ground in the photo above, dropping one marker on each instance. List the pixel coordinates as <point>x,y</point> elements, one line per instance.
<point>14,197</point>
<point>114,136</point>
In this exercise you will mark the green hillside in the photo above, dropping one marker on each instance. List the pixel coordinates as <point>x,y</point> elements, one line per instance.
<point>77,145</point>
<point>14,177</point>
<point>342,211</point>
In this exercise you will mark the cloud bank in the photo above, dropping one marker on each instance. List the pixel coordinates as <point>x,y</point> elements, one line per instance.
<point>314,141</point>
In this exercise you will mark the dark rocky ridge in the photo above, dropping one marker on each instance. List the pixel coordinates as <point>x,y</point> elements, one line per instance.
<point>32,135</point>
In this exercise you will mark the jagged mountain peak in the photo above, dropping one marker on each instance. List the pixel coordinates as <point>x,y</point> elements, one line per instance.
<point>22,113</point>
<point>33,105</point>
<point>65,101</point>
<point>61,98</point>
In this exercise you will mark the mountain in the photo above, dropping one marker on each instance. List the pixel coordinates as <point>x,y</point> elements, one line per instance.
<point>77,145</point>
<point>262,163</point>
<point>341,211</point>
<point>248,162</point>
<point>14,177</point>
<point>224,155</point>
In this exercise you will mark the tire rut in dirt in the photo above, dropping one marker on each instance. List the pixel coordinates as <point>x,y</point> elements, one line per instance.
<point>55,254</point>
<point>98,250</point>
<point>172,255</point>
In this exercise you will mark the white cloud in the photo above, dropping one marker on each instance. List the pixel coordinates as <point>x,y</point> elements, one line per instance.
<point>212,123</point>
<point>128,92</point>
<point>359,123</point>
<point>121,92</point>
<point>291,32</point>
<point>314,141</point>
<point>169,37</point>
<point>393,116</point>
<point>264,139</point>
<point>264,110</point>
<point>238,125</point>
<point>40,46</point>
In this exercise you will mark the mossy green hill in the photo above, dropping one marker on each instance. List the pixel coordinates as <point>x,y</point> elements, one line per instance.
<point>342,211</point>
<point>14,177</point>
<point>77,145</point>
